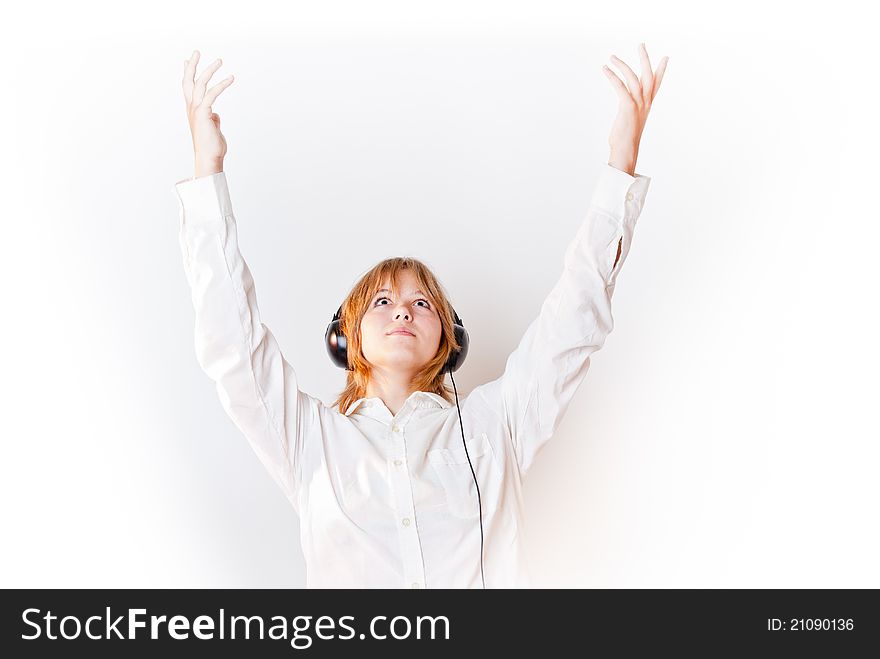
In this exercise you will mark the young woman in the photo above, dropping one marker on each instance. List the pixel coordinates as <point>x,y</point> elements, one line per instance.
<point>399,484</point>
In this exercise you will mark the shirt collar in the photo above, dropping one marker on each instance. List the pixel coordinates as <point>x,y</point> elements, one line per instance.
<point>429,398</point>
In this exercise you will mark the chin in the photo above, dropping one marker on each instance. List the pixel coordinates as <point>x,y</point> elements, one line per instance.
<point>402,362</point>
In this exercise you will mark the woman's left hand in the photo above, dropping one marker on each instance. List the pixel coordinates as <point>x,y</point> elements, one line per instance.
<point>635,103</point>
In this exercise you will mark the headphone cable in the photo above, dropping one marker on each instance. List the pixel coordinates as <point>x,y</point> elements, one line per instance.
<point>479,500</point>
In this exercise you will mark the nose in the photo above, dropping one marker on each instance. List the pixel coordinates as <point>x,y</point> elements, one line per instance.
<point>401,309</point>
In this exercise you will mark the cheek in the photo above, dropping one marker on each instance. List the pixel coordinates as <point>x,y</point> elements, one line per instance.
<point>371,327</point>
<point>437,329</point>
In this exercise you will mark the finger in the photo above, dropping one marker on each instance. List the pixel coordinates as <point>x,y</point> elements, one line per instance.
<point>188,74</point>
<point>659,76</point>
<point>629,75</point>
<point>212,94</point>
<point>618,85</point>
<point>647,79</point>
<point>202,80</point>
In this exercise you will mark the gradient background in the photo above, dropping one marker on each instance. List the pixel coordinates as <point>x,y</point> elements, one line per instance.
<point>725,436</point>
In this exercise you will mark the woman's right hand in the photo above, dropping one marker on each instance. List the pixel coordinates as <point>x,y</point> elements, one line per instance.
<point>209,144</point>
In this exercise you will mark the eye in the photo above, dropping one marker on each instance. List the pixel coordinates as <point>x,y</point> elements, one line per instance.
<point>427,304</point>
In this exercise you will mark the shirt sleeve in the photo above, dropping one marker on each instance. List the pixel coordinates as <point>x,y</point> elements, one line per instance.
<point>545,370</point>
<point>257,387</point>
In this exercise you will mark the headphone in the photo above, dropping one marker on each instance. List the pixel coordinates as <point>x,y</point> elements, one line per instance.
<point>337,348</point>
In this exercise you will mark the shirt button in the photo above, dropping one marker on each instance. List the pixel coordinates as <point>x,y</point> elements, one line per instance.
<point>395,428</point>
<point>397,463</point>
<point>406,521</point>
<point>415,584</point>
<point>629,196</point>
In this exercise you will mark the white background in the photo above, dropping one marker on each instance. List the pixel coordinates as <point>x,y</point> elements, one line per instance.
<point>725,436</point>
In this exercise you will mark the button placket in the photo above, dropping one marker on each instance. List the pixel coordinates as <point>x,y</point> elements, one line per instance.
<point>398,450</point>
<point>410,542</point>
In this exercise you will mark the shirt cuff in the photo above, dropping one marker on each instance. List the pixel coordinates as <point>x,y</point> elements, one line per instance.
<point>204,199</point>
<point>616,190</point>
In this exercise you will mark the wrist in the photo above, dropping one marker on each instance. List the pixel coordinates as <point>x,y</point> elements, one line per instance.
<point>625,162</point>
<point>208,166</point>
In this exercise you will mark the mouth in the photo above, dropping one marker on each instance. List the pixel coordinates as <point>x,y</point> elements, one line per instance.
<point>403,332</point>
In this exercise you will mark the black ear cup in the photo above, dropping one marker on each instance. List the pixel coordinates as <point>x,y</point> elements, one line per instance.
<point>457,357</point>
<point>337,345</point>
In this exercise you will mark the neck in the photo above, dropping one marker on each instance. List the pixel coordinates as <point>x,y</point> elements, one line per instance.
<point>392,388</point>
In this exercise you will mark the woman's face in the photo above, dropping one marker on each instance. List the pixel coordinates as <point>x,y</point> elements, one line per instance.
<point>413,311</point>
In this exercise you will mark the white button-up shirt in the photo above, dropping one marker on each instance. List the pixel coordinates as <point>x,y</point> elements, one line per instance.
<point>388,500</point>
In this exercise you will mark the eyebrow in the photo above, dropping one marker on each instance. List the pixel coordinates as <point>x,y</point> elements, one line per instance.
<point>385,290</point>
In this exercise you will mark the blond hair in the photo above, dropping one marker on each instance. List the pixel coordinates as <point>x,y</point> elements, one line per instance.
<point>431,377</point>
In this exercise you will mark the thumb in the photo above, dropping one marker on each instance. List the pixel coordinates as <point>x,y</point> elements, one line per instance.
<point>215,117</point>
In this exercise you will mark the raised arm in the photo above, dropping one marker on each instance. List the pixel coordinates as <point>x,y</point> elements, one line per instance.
<point>257,387</point>
<point>545,370</point>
